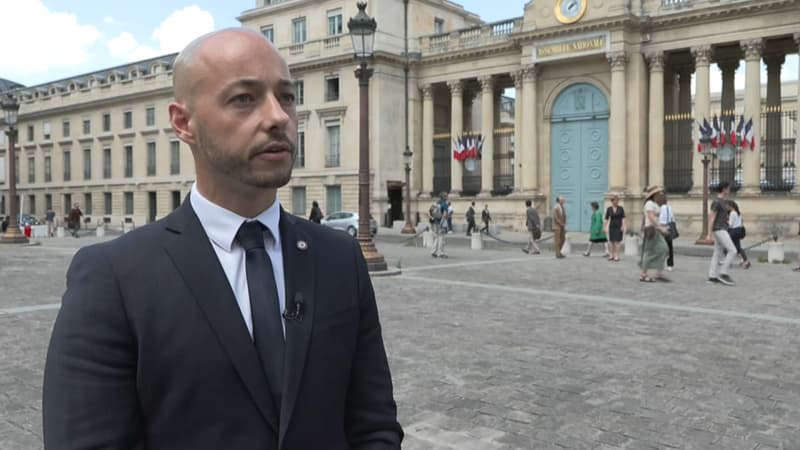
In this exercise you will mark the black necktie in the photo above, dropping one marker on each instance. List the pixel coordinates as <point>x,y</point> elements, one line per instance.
<point>264,306</point>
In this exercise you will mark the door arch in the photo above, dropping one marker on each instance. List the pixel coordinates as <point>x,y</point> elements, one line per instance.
<point>579,151</point>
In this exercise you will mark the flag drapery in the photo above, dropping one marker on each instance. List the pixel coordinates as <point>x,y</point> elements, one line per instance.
<point>467,146</point>
<point>722,131</point>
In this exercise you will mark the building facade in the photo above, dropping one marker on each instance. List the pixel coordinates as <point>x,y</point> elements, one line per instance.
<point>580,98</point>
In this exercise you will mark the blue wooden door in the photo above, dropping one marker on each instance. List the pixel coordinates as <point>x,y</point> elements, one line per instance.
<point>579,152</point>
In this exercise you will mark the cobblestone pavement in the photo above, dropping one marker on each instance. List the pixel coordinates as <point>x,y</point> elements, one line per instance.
<point>500,350</point>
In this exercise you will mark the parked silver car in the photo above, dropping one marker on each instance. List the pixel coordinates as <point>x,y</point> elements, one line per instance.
<point>348,221</point>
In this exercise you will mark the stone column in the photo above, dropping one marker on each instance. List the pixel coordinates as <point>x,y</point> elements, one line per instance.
<point>728,98</point>
<point>752,108</point>
<point>456,128</point>
<point>656,120</point>
<point>797,111</point>
<point>487,129</point>
<point>518,125</point>
<point>702,107</point>
<point>685,90</point>
<point>427,139</point>
<point>530,137</point>
<point>618,124</point>
<point>669,89</point>
<point>773,127</point>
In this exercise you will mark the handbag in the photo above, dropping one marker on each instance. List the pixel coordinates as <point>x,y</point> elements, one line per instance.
<point>672,232</point>
<point>537,233</point>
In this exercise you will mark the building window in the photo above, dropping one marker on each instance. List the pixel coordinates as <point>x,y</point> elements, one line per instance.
<point>268,33</point>
<point>333,198</point>
<point>176,199</point>
<point>30,133</point>
<point>150,116</point>
<point>65,129</point>
<point>32,205</point>
<point>128,161</point>
<point>106,163</point>
<point>67,203</point>
<point>87,203</point>
<point>299,30</point>
<point>332,89</point>
<point>107,203</point>
<point>67,165</point>
<point>151,159</point>
<point>48,169</point>
<point>48,202</point>
<point>335,22</point>
<point>299,92</point>
<point>87,126</point>
<point>46,132</point>
<point>175,158</point>
<point>438,26</point>
<point>299,201</point>
<point>87,164</point>
<point>127,119</point>
<point>300,158</point>
<point>128,203</point>
<point>31,170</point>
<point>332,155</point>
<point>106,122</point>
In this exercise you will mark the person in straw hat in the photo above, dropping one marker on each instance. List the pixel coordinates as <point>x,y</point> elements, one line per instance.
<point>654,246</point>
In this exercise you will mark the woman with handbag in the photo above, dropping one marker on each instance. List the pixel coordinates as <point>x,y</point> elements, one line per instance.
<point>654,246</point>
<point>615,227</point>
<point>737,232</point>
<point>667,219</point>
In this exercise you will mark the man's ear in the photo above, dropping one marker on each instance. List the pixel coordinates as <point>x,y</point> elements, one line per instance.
<point>179,118</point>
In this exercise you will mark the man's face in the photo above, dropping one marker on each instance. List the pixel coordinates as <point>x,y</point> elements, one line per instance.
<point>242,113</point>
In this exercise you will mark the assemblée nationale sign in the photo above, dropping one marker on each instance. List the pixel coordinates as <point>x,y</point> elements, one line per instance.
<point>574,46</point>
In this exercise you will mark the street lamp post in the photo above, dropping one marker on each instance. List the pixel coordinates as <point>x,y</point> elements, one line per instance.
<point>362,31</point>
<point>13,235</point>
<point>408,228</point>
<point>707,150</point>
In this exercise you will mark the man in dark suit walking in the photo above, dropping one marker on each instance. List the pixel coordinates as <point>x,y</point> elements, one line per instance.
<point>224,325</point>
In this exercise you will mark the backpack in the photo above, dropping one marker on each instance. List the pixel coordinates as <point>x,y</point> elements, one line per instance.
<point>436,212</point>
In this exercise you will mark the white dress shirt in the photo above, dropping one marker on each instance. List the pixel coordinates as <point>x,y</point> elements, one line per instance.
<point>221,226</point>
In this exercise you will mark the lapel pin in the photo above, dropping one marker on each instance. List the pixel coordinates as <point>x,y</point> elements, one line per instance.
<point>302,245</point>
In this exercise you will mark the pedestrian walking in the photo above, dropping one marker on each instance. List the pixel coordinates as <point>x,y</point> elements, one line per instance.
<point>486,217</point>
<point>654,246</point>
<point>596,233</point>
<point>615,227</point>
<point>737,232</point>
<point>471,219</point>
<point>450,212</point>
<point>50,218</point>
<point>74,218</point>
<point>559,226</point>
<point>316,213</point>
<point>718,234</point>
<point>666,218</point>
<point>439,228</point>
<point>534,229</point>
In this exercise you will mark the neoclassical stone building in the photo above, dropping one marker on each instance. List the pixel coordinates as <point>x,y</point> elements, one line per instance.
<point>580,98</point>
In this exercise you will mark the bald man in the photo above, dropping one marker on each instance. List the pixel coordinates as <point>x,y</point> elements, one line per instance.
<point>223,325</point>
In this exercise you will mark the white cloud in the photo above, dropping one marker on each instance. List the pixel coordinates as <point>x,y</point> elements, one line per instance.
<point>30,47</point>
<point>172,35</point>
<point>108,20</point>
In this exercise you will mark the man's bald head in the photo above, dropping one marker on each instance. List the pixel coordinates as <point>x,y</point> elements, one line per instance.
<point>200,52</point>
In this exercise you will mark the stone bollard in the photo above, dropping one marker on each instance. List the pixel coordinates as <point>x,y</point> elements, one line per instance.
<point>60,232</point>
<point>775,252</point>
<point>100,231</point>
<point>476,241</point>
<point>427,238</point>
<point>631,245</point>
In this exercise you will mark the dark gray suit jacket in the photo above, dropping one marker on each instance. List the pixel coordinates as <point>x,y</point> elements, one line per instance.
<point>151,351</point>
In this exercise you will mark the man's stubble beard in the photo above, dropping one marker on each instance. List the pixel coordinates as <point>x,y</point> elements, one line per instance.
<point>237,166</point>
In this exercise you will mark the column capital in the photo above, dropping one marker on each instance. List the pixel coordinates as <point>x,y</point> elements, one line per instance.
<point>617,60</point>
<point>456,88</point>
<point>530,72</point>
<point>656,60</point>
<point>487,84</point>
<point>728,65</point>
<point>427,91</point>
<point>702,55</point>
<point>517,77</point>
<point>774,60</point>
<point>752,49</point>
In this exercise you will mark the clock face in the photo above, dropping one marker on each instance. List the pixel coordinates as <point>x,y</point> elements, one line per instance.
<point>570,11</point>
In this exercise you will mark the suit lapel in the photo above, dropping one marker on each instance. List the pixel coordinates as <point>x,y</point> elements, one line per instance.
<point>298,269</point>
<point>191,251</point>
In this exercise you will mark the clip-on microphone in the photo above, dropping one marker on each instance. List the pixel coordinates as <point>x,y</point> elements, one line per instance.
<point>294,310</point>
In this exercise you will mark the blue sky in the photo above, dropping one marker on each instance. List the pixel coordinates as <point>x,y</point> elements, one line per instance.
<point>46,40</point>
<point>54,39</point>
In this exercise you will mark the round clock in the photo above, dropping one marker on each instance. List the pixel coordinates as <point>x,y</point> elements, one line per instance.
<point>570,11</point>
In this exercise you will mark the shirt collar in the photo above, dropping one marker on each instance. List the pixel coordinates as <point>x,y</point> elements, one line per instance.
<point>221,225</point>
